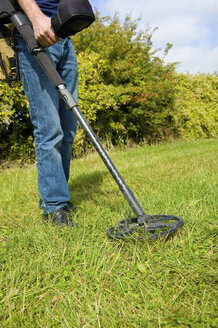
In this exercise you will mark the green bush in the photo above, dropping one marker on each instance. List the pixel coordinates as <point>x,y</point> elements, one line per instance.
<point>196,106</point>
<point>15,127</point>
<point>126,92</point>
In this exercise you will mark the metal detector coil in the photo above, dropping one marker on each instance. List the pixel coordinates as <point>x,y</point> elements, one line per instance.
<point>154,227</point>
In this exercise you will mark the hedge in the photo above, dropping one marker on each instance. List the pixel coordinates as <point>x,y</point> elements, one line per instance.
<point>126,93</point>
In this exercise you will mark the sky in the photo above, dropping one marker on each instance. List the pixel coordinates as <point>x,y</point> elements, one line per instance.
<point>190,25</point>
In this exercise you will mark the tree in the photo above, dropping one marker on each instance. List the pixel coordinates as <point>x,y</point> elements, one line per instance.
<point>126,91</point>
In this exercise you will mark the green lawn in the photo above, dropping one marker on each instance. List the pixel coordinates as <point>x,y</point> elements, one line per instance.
<point>77,277</point>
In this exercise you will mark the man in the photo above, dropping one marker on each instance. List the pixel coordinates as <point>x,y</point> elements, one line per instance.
<point>54,125</point>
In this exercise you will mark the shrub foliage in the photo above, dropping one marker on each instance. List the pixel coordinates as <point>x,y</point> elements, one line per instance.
<point>126,92</point>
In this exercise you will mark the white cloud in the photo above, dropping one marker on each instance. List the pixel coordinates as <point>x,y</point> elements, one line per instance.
<point>181,31</point>
<point>188,25</point>
<point>158,10</point>
<point>195,59</point>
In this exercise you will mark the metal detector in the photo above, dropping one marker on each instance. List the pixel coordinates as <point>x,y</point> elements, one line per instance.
<point>142,225</point>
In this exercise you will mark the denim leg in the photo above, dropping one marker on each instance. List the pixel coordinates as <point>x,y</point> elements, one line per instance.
<point>69,73</point>
<point>48,118</point>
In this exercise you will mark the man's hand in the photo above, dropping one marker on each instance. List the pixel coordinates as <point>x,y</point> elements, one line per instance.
<point>43,32</point>
<point>41,23</point>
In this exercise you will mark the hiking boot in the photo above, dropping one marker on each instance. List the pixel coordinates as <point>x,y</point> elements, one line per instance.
<point>62,216</point>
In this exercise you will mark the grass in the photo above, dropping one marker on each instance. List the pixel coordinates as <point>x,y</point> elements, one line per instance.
<point>77,277</point>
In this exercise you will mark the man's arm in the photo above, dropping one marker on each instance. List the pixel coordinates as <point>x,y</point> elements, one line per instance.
<point>41,23</point>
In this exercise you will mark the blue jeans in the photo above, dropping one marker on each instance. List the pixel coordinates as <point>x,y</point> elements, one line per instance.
<point>54,125</point>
